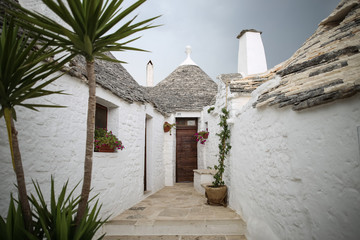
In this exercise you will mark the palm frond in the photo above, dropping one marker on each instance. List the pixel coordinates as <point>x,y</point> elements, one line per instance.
<point>87,25</point>
<point>23,65</point>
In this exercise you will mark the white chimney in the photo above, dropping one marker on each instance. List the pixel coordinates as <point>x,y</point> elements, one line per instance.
<point>149,74</point>
<point>251,58</point>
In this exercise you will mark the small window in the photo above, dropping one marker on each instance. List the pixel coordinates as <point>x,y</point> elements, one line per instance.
<point>101,116</point>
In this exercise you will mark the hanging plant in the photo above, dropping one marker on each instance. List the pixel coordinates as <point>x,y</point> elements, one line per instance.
<point>168,127</point>
<point>202,136</point>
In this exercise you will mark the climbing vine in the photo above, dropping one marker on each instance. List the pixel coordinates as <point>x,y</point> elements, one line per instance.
<point>210,109</point>
<point>224,148</point>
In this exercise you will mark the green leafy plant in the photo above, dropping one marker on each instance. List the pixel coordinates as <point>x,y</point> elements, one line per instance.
<point>13,227</point>
<point>202,136</point>
<point>104,137</point>
<point>210,109</point>
<point>224,148</point>
<point>25,71</point>
<point>87,33</point>
<point>57,221</point>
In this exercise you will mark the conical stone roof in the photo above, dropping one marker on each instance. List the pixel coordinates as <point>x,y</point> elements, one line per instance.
<point>187,88</point>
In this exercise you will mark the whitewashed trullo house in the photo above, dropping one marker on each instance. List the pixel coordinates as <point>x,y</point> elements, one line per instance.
<point>293,171</point>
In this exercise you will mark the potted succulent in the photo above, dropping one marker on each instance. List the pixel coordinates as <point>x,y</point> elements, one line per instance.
<point>202,136</point>
<point>216,193</point>
<point>106,141</point>
<point>168,127</point>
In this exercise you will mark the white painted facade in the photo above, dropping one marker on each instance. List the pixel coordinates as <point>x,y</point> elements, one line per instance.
<point>52,142</point>
<point>292,175</point>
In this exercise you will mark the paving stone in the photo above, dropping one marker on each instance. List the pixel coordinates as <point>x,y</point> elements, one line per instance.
<point>242,237</point>
<point>174,212</point>
<point>203,238</point>
<point>177,211</point>
<point>143,238</point>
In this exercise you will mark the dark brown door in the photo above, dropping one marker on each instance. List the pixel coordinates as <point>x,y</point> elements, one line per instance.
<point>186,150</point>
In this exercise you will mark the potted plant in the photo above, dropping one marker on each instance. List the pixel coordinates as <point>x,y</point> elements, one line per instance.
<point>106,141</point>
<point>202,136</point>
<point>168,127</point>
<point>216,193</point>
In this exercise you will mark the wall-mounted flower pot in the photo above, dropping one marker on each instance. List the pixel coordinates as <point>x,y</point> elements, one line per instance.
<point>167,128</point>
<point>216,195</point>
<point>106,148</point>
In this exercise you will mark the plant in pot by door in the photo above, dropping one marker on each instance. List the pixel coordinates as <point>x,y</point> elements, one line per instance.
<point>106,141</point>
<point>168,127</point>
<point>216,193</point>
<point>202,136</point>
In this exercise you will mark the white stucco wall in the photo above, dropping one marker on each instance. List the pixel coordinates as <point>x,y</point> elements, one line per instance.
<point>295,175</point>
<point>169,152</point>
<point>52,142</point>
<point>209,151</point>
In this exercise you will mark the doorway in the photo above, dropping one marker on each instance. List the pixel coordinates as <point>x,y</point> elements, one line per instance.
<point>186,149</point>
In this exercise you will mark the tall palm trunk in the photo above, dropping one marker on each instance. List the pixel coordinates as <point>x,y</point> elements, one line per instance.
<point>18,169</point>
<point>89,141</point>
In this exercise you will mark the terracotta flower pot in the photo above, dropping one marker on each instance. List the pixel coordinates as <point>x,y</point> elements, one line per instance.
<point>216,195</point>
<point>106,148</point>
<point>167,128</point>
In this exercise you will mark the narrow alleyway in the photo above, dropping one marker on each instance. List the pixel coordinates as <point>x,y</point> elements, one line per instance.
<point>177,212</point>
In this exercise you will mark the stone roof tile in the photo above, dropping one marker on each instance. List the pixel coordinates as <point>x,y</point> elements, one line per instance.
<point>327,66</point>
<point>324,69</point>
<point>111,76</point>
<point>187,88</point>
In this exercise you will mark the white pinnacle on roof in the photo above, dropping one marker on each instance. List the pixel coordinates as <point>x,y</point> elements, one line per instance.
<point>188,60</point>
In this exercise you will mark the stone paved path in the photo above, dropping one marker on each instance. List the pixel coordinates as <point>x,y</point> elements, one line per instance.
<point>178,207</point>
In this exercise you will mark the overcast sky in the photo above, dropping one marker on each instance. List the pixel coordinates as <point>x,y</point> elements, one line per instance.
<point>210,27</point>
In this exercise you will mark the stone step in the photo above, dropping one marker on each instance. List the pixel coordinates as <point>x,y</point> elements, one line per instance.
<point>175,227</point>
<point>178,237</point>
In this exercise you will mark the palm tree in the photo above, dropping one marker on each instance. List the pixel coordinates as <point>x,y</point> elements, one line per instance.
<point>22,74</point>
<point>88,34</point>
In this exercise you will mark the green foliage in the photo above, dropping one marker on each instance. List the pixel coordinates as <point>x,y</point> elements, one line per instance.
<point>224,148</point>
<point>104,137</point>
<point>90,22</point>
<point>53,222</point>
<point>13,227</point>
<point>57,222</point>
<point>21,74</point>
<point>210,109</point>
<point>202,136</point>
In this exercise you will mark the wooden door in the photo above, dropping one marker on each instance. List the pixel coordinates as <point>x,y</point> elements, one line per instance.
<point>186,150</point>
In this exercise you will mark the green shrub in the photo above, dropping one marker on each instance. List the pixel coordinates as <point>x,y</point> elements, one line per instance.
<point>57,222</point>
<point>13,227</point>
